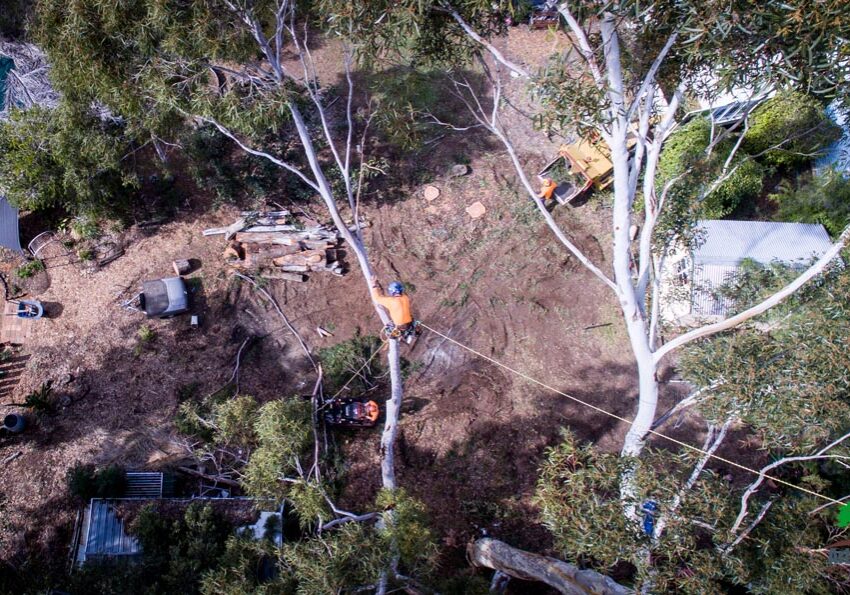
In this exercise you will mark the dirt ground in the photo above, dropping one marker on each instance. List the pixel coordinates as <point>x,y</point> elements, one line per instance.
<point>472,434</point>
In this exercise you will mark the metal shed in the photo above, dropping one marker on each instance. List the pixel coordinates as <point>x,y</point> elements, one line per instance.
<point>725,244</point>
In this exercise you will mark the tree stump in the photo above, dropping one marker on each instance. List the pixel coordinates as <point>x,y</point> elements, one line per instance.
<point>181,267</point>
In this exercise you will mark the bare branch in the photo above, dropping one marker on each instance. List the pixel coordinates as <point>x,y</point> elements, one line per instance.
<point>484,43</point>
<point>753,487</point>
<point>583,45</point>
<point>750,528</point>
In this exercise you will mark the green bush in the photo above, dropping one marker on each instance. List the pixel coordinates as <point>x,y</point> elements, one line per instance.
<point>341,361</point>
<point>693,195</point>
<point>29,269</point>
<point>789,115</point>
<point>86,482</point>
<point>825,200</point>
<point>66,158</point>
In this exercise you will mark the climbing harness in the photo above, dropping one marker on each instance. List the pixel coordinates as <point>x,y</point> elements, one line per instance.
<point>406,332</point>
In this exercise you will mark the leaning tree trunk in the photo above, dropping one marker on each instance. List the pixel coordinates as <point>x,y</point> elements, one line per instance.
<point>393,405</point>
<point>566,578</point>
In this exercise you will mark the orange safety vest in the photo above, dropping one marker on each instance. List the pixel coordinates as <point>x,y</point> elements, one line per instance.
<point>397,306</point>
<point>547,188</point>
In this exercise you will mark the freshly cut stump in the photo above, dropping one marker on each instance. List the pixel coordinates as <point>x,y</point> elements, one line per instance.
<point>431,193</point>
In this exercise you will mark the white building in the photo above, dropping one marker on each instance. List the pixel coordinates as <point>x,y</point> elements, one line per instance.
<point>691,279</point>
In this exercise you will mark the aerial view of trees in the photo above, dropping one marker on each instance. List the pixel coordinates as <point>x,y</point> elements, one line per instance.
<point>230,97</point>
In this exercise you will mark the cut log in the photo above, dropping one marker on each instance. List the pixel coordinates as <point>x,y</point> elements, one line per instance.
<point>295,268</point>
<point>306,257</point>
<point>267,228</point>
<point>265,214</point>
<point>234,251</point>
<point>566,578</point>
<point>182,266</point>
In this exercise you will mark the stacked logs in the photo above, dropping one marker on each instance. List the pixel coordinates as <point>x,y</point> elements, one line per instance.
<point>275,246</point>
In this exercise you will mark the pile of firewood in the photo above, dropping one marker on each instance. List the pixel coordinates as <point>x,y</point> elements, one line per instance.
<point>276,246</point>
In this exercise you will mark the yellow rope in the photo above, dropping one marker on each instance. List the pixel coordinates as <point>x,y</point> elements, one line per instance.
<point>617,417</point>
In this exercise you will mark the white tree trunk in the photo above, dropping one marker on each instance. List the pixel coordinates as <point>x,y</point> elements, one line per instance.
<point>393,406</point>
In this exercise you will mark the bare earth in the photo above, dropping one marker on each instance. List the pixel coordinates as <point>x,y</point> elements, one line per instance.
<point>473,434</point>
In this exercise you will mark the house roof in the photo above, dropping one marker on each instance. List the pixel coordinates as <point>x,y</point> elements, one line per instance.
<point>724,244</point>
<point>730,242</point>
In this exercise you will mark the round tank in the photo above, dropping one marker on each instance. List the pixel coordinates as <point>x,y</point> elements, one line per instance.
<point>14,422</point>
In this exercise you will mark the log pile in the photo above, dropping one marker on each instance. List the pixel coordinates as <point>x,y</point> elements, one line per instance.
<point>276,246</point>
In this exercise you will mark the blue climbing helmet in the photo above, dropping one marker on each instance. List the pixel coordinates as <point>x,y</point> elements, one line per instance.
<point>395,288</point>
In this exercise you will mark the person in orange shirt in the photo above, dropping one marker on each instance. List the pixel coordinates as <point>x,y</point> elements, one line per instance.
<point>397,304</point>
<point>547,188</point>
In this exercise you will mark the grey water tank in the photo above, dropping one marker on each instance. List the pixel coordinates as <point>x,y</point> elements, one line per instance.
<point>165,297</point>
<point>14,422</point>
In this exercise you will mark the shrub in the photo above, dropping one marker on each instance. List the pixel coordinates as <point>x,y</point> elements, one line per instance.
<point>789,115</point>
<point>29,269</point>
<point>342,360</point>
<point>824,200</point>
<point>41,400</point>
<point>146,334</point>
<point>691,196</point>
<point>65,157</point>
<point>86,482</point>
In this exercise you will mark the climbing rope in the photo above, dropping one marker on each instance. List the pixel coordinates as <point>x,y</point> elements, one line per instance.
<point>630,422</point>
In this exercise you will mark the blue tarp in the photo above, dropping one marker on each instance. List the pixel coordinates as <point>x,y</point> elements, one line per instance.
<point>6,64</point>
<point>838,154</point>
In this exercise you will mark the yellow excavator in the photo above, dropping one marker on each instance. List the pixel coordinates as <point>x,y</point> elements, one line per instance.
<point>579,166</point>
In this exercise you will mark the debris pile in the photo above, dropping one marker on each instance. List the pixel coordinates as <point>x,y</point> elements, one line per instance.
<point>277,246</point>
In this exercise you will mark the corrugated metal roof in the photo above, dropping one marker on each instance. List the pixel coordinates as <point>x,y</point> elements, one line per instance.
<point>143,484</point>
<point>730,242</point>
<point>726,243</point>
<point>707,279</point>
<point>9,237</point>
<point>105,535</point>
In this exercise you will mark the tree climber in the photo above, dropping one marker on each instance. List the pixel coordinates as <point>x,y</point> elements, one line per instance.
<point>547,188</point>
<point>397,304</point>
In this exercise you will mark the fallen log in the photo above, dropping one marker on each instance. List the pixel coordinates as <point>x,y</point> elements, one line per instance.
<point>215,478</point>
<point>306,257</point>
<point>566,578</point>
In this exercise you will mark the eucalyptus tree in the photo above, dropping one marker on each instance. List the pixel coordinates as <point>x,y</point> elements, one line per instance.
<point>221,62</point>
<point>630,69</point>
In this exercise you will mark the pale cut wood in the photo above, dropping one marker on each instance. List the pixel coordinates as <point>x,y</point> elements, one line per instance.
<point>181,266</point>
<point>566,578</point>
<point>306,257</point>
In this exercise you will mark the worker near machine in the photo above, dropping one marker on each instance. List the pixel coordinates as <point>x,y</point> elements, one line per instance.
<point>397,304</point>
<point>547,188</point>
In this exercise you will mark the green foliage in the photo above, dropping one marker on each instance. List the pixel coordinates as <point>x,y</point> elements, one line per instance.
<point>403,96</point>
<point>406,526</point>
<point>796,121</point>
<point>240,571</point>
<point>86,482</point>
<point>66,158</point>
<point>146,334</point>
<point>579,497</point>
<point>283,432</point>
<point>342,360</point>
<point>42,401</point>
<point>234,419</point>
<point>176,554</point>
<point>691,175</point>
<point>30,269</point>
<point>340,561</point>
<point>790,385</point>
<point>825,200</point>
<point>219,167</point>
